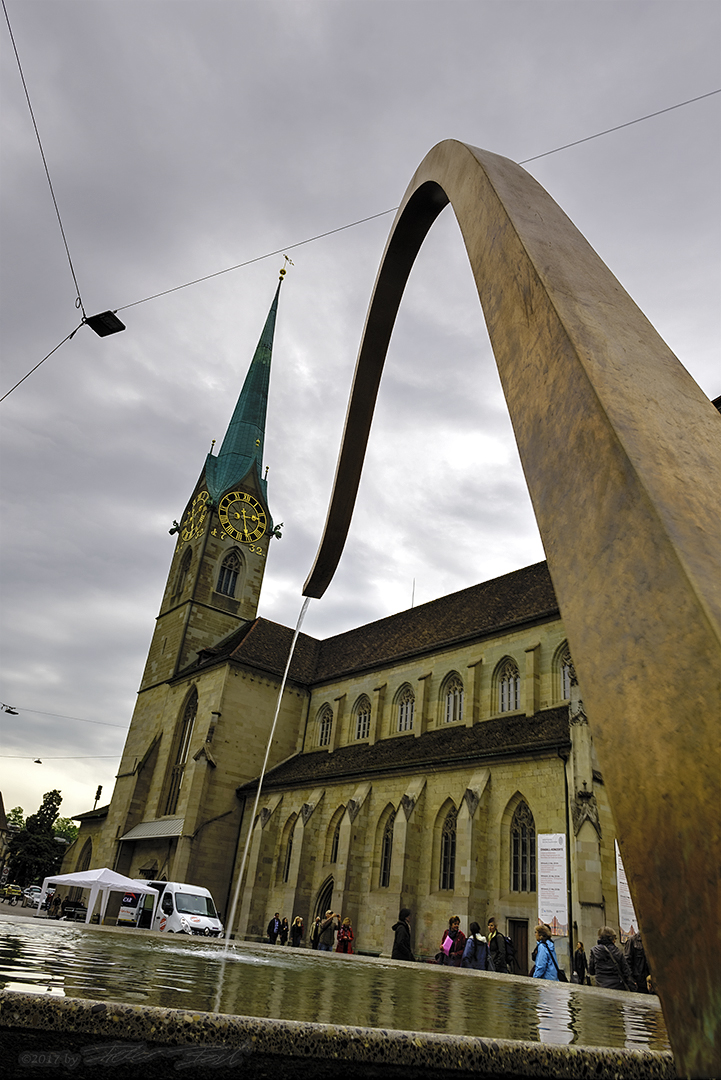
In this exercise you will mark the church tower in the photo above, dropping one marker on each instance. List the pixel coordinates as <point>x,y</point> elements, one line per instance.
<point>216,573</point>
<point>199,728</point>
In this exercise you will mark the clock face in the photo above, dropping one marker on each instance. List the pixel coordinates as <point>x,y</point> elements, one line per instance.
<point>194,520</point>
<point>242,517</point>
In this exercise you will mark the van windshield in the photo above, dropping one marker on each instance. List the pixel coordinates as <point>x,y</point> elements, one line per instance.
<point>192,904</point>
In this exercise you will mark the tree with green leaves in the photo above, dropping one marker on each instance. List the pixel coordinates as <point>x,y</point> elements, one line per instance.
<point>16,816</point>
<point>34,853</point>
<point>66,828</point>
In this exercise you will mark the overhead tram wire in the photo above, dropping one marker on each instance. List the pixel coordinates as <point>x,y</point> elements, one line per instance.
<point>342,228</point>
<point>78,300</point>
<point>392,210</point>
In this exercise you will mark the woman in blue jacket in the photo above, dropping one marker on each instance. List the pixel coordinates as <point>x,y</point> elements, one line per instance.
<point>476,953</point>
<point>546,963</point>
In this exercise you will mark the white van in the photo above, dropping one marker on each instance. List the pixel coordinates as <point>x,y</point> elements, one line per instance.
<point>181,909</point>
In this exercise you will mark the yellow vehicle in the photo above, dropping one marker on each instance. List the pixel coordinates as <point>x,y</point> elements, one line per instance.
<point>11,893</point>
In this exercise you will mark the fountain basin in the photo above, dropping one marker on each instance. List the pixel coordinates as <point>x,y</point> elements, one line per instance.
<point>100,998</point>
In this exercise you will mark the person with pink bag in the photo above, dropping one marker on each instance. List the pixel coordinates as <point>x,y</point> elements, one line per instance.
<point>453,944</point>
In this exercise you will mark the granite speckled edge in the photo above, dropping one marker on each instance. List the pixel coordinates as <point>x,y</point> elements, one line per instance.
<point>289,1039</point>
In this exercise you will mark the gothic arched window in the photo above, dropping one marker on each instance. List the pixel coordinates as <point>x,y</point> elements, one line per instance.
<point>453,695</point>
<point>183,571</point>
<point>566,672</point>
<point>509,686</point>
<point>387,851</point>
<point>362,718</point>
<point>325,725</point>
<point>288,856</point>
<point>334,844</point>
<point>448,850</point>
<point>181,755</point>
<point>228,576</point>
<point>406,703</point>
<point>523,850</point>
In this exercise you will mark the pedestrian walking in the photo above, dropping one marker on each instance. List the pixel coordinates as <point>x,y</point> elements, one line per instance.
<point>497,945</point>
<point>315,933</point>
<point>402,940</point>
<point>580,964</point>
<point>476,954</point>
<point>328,927</point>
<point>345,937</point>
<point>608,963</point>
<point>284,931</point>
<point>635,955</point>
<point>274,928</point>
<point>453,943</point>
<point>296,932</point>
<point>546,966</point>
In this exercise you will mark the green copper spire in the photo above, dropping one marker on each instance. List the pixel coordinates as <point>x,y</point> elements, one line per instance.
<point>242,447</point>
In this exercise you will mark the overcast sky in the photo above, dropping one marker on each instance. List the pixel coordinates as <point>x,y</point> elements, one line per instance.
<point>186,137</point>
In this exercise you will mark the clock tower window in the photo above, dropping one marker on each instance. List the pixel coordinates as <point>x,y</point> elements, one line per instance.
<point>228,576</point>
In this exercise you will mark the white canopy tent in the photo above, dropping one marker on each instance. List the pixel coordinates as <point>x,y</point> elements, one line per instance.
<point>103,881</point>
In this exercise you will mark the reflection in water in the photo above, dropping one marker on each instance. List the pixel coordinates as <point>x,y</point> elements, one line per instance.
<point>298,984</point>
<point>554,1017</point>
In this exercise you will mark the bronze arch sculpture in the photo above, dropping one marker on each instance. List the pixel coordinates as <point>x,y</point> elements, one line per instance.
<point>622,455</point>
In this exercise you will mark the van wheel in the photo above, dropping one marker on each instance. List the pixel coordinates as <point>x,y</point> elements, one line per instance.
<point>171,931</point>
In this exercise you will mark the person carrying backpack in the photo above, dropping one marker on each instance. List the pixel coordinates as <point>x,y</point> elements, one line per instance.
<point>476,953</point>
<point>501,954</point>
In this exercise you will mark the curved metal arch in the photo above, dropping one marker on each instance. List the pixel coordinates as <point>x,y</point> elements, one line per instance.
<point>621,453</point>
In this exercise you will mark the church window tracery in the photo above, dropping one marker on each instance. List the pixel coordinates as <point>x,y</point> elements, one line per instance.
<point>566,672</point>
<point>453,699</point>
<point>406,703</point>
<point>523,850</point>
<point>334,845</point>
<point>387,851</point>
<point>509,686</point>
<point>325,725</point>
<point>362,718</point>
<point>184,736</point>
<point>228,576</point>
<point>448,850</point>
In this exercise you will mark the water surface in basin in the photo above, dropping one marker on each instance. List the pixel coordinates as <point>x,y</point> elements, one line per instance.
<point>282,983</point>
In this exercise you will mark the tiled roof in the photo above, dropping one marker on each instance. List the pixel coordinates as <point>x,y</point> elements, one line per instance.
<point>435,749</point>
<point>101,812</point>
<point>485,609</point>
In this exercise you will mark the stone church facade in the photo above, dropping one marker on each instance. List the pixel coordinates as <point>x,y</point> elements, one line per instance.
<point>414,763</point>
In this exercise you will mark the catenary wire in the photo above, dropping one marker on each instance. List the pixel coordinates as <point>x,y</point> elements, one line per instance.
<point>62,716</point>
<point>352,224</point>
<point>74,332</point>
<point>78,301</point>
<point>393,209</point>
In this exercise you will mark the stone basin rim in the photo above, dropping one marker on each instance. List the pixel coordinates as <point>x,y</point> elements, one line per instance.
<point>69,1019</point>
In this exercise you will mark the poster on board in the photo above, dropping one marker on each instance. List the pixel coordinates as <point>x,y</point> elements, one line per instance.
<point>627,921</point>
<point>552,891</point>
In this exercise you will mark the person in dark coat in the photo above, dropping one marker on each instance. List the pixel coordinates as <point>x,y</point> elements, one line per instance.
<point>608,963</point>
<point>476,953</point>
<point>497,945</point>
<point>452,956</point>
<point>402,940</point>
<point>274,928</point>
<point>328,928</point>
<point>580,963</point>
<point>315,933</point>
<point>636,956</point>
<point>296,931</point>
<point>284,931</point>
